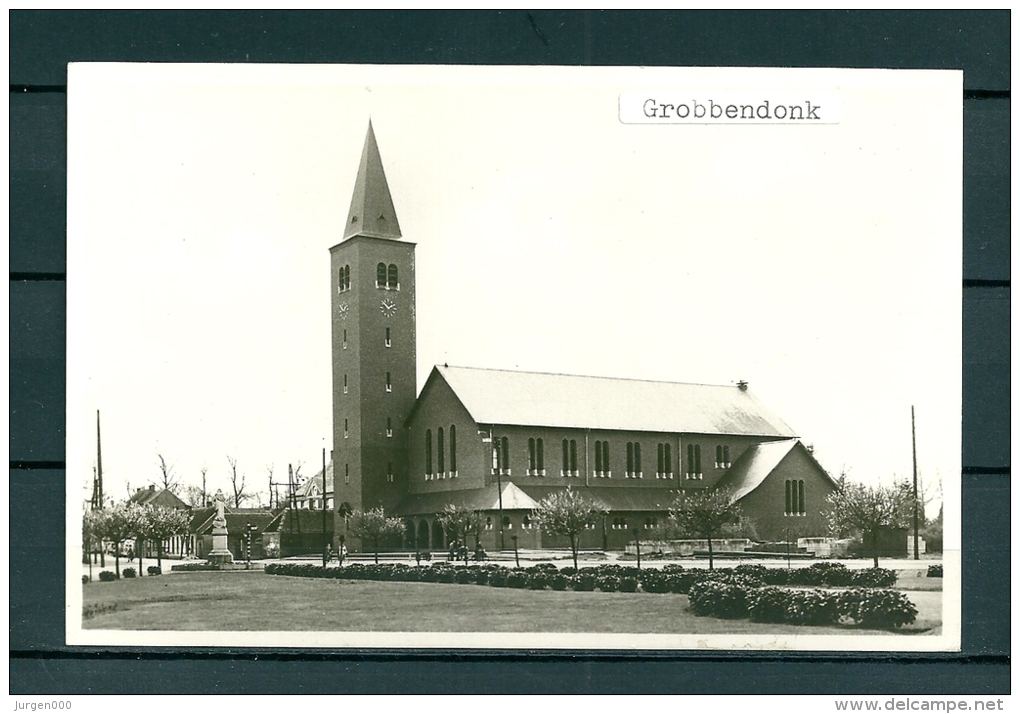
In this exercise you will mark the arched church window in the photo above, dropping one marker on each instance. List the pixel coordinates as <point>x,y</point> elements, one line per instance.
<point>380,275</point>
<point>505,454</point>
<point>347,277</point>
<point>453,448</point>
<point>391,281</point>
<point>440,453</point>
<point>428,453</point>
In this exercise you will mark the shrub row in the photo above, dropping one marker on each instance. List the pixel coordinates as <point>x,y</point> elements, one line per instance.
<point>867,607</point>
<point>128,572</point>
<point>154,570</point>
<point>107,576</point>
<point>607,578</point>
<point>934,571</point>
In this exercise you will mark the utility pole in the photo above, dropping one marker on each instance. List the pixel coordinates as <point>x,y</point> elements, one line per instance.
<point>99,482</point>
<point>325,540</point>
<point>913,440</point>
<point>99,461</point>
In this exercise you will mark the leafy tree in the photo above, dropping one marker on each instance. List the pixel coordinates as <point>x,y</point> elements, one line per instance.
<point>856,508</point>
<point>116,524</point>
<point>374,527</point>
<point>160,523</point>
<point>703,513</point>
<point>566,513</point>
<point>461,522</point>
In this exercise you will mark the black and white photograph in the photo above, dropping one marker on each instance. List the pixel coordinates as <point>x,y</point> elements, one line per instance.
<point>556,358</point>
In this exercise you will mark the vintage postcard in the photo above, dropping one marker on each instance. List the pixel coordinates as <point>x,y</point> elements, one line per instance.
<point>514,357</point>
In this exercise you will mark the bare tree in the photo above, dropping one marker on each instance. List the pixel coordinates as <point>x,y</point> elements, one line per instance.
<point>237,483</point>
<point>170,481</point>
<point>269,475</point>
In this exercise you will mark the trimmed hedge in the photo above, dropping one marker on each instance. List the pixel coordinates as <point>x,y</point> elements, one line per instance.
<point>84,579</point>
<point>934,571</point>
<point>154,570</point>
<point>867,607</point>
<point>752,591</point>
<point>107,576</point>
<point>128,572</point>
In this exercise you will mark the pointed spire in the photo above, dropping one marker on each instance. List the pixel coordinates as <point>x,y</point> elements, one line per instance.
<point>371,211</point>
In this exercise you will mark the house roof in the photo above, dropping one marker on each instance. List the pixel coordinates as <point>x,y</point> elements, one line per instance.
<point>527,498</point>
<point>757,462</point>
<point>313,486</point>
<point>486,498</point>
<point>237,518</point>
<point>569,401</point>
<point>299,520</point>
<point>162,497</point>
<point>372,213</point>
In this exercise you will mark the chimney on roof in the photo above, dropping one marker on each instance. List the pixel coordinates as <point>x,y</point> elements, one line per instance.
<point>152,487</point>
<point>742,386</point>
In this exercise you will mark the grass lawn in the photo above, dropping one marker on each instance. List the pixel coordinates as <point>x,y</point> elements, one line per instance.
<point>256,601</point>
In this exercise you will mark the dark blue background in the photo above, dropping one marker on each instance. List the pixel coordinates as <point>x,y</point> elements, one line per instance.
<point>42,43</point>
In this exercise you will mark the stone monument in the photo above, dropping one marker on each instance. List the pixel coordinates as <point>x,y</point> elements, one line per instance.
<point>220,553</point>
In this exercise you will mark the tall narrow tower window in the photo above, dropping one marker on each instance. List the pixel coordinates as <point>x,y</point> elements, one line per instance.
<point>453,449</point>
<point>637,459</point>
<point>532,463</point>
<point>380,275</point>
<point>347,277</point>
<point>668,460</point>
<point>388,342</point>
<point>504,453</point>
<point>391,279</point>
<point>440,452</point>
<point>346,432</point>
<point>345,384</point>
<point>345,339</point>
<point>428,453</point>
<point>389,426</point>
<point>389,383</point>
<point>389,471</point>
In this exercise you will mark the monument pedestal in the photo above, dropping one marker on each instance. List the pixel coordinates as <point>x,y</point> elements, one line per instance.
<point>220,553</point>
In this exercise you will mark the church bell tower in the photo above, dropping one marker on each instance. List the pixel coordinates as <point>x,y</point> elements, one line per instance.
<point>372,287</point>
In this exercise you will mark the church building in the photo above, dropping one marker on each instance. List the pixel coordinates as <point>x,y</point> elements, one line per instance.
<point>500,441</point>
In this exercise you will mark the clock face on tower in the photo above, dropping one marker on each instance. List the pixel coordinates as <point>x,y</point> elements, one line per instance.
<point>388,308</point>
<point>344,310</point>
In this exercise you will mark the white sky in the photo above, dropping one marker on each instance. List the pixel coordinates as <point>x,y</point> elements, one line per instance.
<point>820,263</point>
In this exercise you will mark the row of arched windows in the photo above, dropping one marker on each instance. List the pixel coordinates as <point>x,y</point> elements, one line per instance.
<point>570,458</point>
<point>386,277</point>
<point>536,458</point>
<point>603,469</point>
<point>795,497</point>
<point>693,461</point>
<point>665,465</point>
<point>722,457</point>
<point>441,453</point>
<point>633,460</point>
